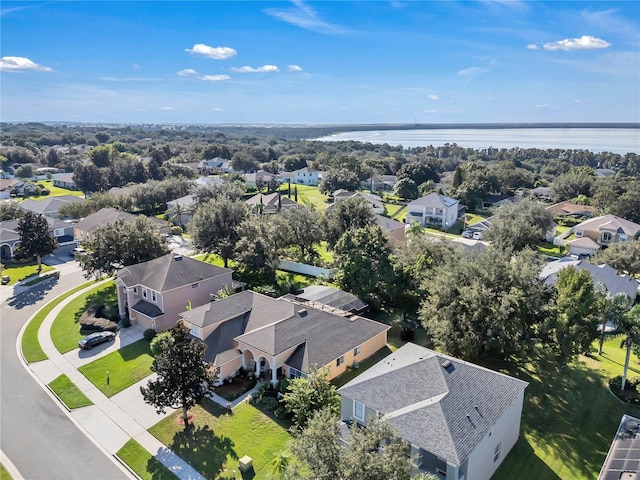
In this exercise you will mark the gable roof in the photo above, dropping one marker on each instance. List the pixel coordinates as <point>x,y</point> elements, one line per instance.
<point>570,208</point>
<point>50,204</point>
<point>446,410</point>
<point>584,242</point>
<point>610,223</point>
<point>389,224</point>
<point>8,232</point>
<point>271,200</point>
<point>604,274</point>
<point>169,272</point>
<point>276,325</point>
<point>434,200</point>
<point>106,216</point>
<point>9,183</point>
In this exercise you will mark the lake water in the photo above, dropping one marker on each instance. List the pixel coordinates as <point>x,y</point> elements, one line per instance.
<point>616,140</point>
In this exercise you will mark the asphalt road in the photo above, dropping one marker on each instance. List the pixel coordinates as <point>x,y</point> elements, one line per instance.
<point>35,434</point>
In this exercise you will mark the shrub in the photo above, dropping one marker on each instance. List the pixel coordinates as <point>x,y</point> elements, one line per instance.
<point>125,322</point>
<point>157,344</point>
<point>92,319</point>
<point>630,393</point>
<point>176,230</point>
<point>149,334</point>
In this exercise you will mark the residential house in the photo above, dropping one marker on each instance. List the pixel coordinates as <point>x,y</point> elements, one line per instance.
<point>380,183</point>
<point>181,209</point>
<point>623,459</point>
<point>272,203</point>
<point>583,246</point>
<point>49,206</point>
<point>494,201</point>
<point>154,293</point>
<point>542,193</point>
<point>604,172</point>
<point>85,228</point>
<point>215,165</point>
<point>569,209</point>
<point>434,210</point>
<point>9,185</point>
<point>64,180</point>
<point>603,274</point>
<point>396,231</point>
<point>303,176</point>
<point>117,191</point>
<point>607,229</point>
<point>9,236</point>
<point>281,338</point>
<point>460,419</point>
<point>373,201</point>
<point>252,179</point>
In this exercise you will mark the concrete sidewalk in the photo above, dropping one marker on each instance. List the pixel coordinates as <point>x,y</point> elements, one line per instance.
<point>109,422</point>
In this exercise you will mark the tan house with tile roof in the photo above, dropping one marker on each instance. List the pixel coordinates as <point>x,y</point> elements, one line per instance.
<point>607,229</point>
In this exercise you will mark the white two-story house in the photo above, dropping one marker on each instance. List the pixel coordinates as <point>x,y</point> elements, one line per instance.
<point>434,210</point>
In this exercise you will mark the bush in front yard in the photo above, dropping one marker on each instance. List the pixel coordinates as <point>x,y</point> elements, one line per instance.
<point>149,334</point>
<point>93,319</point>
<point>158,342</point>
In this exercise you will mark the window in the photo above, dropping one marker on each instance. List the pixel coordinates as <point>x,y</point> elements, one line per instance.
<point>58,232</point>
<point>195,285</point>
<point>195,331</point>
<point>356,351</point>
<point>578,233</point>
<point>606,237</point>
<point>144,292</point>
<point>153,296</point>
<point>496,453</point>
<point>135,290</point>
<point>358,411</point>
<point>340,361</point>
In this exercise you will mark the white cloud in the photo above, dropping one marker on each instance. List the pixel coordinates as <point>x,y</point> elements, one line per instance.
<point>533,46</point>
<point>579,100</point>
<point>433,97</point>
<point>305,17</point>
<point>214,78</point>
<point>187,72</point>
<point>294,68</point>
<point>432,111</point>
<point>135,66</point>
<point>217,53</point>
<point>544,106</point>
<point>262,69</point>
<point>490,99</point>
<point>167,109</point>
<point>129,79</point>
<point>21,64</point>
<point>217,109</point>
<point>585,42</point>
<point>472,72</point>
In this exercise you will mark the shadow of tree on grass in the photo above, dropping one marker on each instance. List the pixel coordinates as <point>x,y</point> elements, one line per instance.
<point>204,451</point>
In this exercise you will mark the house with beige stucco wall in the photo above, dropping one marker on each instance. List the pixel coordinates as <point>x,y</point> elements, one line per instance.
<point>154,293</point>
<point>281,338</point>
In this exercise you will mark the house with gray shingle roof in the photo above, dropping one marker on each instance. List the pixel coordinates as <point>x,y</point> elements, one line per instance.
<point>86,228</point>
<point>271,203</point>
<point>49,206</point>
<point>281,338</point>
<point>154,293</point>
<point>434,209</point>
<point>460,419</point>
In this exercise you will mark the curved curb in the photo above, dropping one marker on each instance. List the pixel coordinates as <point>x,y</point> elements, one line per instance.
<point>54,397</point>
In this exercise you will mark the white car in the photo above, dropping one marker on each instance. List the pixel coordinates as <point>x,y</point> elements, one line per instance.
<point>76,251</point>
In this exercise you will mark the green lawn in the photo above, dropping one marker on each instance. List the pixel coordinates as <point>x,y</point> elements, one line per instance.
<point>31,349</point>
<point>397,212</point>
<point>4,475</point>
<point>70,395</point>
<point>308,195</point>
<point>65,331</point>
<point>18,272</point>
<point>569,417</point>
<point>143,463</point>
<point>550,249</point>
<point>127,366</point>
<point>55,191</point>
<point>218,440</point>
<point>560,229</point>
<point>363,366</point>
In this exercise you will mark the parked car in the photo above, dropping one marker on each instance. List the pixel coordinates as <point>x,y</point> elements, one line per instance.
<point>5,279</point>
<point>76,251</point>
<point>467,234</point>
<point>96,338</point>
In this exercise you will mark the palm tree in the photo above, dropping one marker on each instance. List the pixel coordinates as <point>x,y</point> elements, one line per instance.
<point>630,326</point>
<point>611,310</point>
<point>415,228</point>
<point>280,462</point>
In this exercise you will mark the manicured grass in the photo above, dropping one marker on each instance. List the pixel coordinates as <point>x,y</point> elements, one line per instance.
<point>18,273</point>
<point>310,196</point>
<point>326,255</point>
<point>474,218</point>
<point>55,191</point>
<point>560,229</point>
<point>550,249</point>
<point>127,366</point>
<point>217,440</point>
<point>31,349</point>
<point>65,331</point>
<point>4,475</point>
<point>569,417</point>
<point>143,463</point>
<point>70,395</point>
<point>396,212</point>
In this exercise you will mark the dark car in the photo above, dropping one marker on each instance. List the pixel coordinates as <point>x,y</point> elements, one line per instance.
<point>467,234</point>
<point>90,341</point>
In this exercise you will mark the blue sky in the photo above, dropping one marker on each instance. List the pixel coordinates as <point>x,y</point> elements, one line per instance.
<point>320,62</point>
